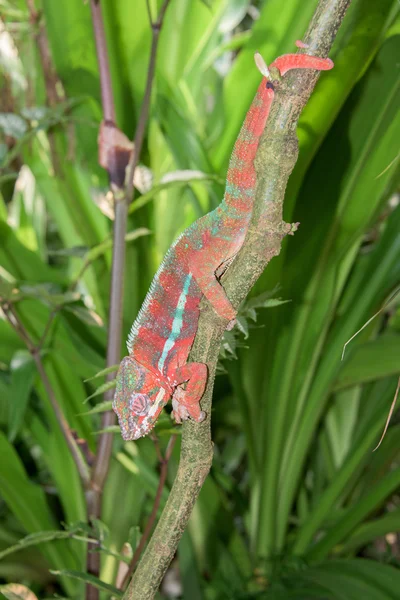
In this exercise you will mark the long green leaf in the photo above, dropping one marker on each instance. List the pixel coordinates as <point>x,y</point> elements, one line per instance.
<point>87,578</point>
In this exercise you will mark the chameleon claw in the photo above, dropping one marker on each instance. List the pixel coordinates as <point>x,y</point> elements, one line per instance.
<point>301,44</point>
<point>231,325</point>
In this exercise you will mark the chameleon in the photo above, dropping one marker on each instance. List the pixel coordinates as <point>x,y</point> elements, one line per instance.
<point>162,335</point>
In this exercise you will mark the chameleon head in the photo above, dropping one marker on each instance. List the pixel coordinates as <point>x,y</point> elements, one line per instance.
<point>138,400</point>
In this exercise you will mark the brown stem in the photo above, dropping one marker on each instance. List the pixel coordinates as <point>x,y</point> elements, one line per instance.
<point>121,201</point>
<point>149,526</point>
<point>14,320</point>
<point>53,91</point>
<point>49,323</point>
<point>144,112</point>
<point>276,157</point>
<point>107,98</point>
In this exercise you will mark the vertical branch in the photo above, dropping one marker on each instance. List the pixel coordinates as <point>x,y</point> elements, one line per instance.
<point>103,455</point>
<point>107,98</point>
<point>116,156</point>
<point>164,460</point>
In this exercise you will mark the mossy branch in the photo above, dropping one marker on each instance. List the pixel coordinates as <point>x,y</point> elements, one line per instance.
<point>276,157</point>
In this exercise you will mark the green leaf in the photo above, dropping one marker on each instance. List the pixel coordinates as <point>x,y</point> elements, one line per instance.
<point>98,250</point>
<point>41,537</point>
<point>99,408</point>
<point>49,294</point>
<point>355,514</point>
<point>371,530</point>
<point>173,180</point>
<point>101,389</point>
<point>87,578</point>
<point>103,372</point>
<point>23,264</point>
<point>23,373</point>
<point>27,501</point>
<point>355,579</point>
<point>370,361</point>
<point>110,429</point>
<point>89,317</point>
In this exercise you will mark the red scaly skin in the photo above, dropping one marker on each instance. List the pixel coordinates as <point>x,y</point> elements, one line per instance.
<point>163,332</point>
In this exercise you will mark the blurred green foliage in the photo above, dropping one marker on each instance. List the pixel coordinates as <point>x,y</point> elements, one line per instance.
<point>295,497</point>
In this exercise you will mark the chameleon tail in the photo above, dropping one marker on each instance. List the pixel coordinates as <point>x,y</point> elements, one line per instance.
<point>286,62</point>
<point>241,176</point>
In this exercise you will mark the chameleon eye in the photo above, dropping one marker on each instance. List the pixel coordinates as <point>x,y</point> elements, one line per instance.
<point>139,404</point>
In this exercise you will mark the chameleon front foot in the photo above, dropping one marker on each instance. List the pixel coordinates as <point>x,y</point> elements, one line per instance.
<point>182,411</point>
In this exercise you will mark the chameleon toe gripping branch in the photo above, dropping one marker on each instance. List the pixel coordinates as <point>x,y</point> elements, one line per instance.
<point>163,332</point>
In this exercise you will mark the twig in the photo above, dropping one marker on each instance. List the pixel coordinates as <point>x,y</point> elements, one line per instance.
<point>103,455</point>
<point>53,92</point>
<point>156,442</point>
<point>107,98</point>
<point>156,27</point>
<point>49,323</point>
<point>276,157</point>
<point>149,526</point>
<point>54,89</point>
<point>14,320</point>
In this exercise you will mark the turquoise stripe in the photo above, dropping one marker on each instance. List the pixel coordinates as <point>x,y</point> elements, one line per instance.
<point>176,323</point>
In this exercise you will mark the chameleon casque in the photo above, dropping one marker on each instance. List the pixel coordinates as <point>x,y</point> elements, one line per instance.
<point>163,332</point>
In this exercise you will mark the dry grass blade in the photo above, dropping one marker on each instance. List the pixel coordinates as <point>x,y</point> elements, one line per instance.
<point>369,321</point>
<point>389,415</point>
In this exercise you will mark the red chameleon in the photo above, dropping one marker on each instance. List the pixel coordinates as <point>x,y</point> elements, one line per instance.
<point>163,332</point>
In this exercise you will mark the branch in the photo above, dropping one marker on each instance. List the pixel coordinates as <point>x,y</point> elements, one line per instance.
<point>114,148</point>
<point>164,460</point>
<point>144,112</point>
<point>14,320</point>
<point>107,98</point>
<point>276,157</point>
<point>53,91</point>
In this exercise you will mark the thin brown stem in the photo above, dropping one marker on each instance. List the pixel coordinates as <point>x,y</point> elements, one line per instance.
<point>104,448</point>
<point>156,27</point>
<point>49,323</point>
<point>53,91</point>
<point>150,523</point>
<point>149,12</point>
<point>156,442</point>
<point>15,321</point>
<point>107,98</point>
<point>121,202</point>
